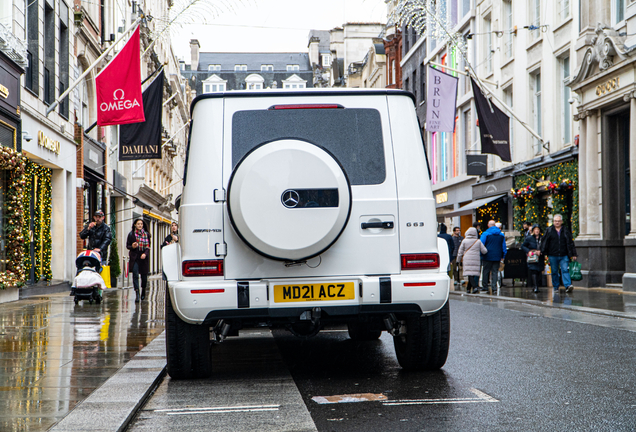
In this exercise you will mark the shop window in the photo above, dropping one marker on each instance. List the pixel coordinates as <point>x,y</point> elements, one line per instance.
<point>7,135</point>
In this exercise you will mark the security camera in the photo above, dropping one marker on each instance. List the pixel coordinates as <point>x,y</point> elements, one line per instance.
<point>26,136</point>
<point>571,100</point>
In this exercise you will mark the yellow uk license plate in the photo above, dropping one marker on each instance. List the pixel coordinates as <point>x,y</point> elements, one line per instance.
<point>314,292</point>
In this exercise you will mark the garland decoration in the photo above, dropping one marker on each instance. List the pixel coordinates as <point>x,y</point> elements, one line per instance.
<point>13,163</point>
<point>37,186</point>
<point>563,190</point>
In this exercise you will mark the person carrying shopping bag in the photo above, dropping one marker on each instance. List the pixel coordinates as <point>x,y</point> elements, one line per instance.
<point>469,255</point>
<point>532,247</point>
<point>138,245</point>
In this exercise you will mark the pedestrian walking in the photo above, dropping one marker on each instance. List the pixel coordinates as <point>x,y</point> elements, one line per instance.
<point>558,246</point>
<point>138,245</point>
<point>532,247</point>
<point>98,234</point>
<point>457,241</point>
<point>477,226</point>
<point>469,255</point>
<point>527,229</point>
<point>449,241</point>
<point>173,237</point>
<point>495,242</point>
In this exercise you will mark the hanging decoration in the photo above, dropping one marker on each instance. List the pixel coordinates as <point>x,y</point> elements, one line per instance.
<point>13,163</point>
<point>429,16</point>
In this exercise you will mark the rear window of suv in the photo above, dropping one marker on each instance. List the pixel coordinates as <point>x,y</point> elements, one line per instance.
<point>352,135</point>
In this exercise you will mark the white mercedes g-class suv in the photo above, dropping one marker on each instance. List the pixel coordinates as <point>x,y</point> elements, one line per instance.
<point>302,209</point>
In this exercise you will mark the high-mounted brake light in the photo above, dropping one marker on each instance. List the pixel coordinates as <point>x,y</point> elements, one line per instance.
<point>202,268</point>
<point>306,106</point>
<point>420,261</point>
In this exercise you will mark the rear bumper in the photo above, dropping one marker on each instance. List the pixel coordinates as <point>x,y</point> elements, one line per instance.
<point>206,301</point>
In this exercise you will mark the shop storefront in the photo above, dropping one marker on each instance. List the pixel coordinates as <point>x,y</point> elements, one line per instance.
<point>491,199</point>
<point>542,191</point>
<point>50,207</point>
<point>449,199</point>
<point>605,85</point>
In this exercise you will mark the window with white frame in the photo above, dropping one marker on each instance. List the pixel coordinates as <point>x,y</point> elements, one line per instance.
<point>468,130</point>
<point>563,9</point>
<point>535,16</point>
<point>214,84</point>
<point>618,11</point>
<point>84,120</point>
<point>393,71</point>
<point>240,68</point>
<point>488,42</point>
<point>465,7</point>
<point>213,88</point>
<point>566,113</point>
<point>294,82</point>
<point>267,68</point>
<point>535,80</point>
<point>507,19</point>
<point>293,68</point>
<point>214,68</point>
<point>508,100</point>
<point>254,82</point>
<point>326,60</point>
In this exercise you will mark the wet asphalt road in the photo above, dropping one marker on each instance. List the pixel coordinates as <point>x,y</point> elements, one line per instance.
<point>511,367</point>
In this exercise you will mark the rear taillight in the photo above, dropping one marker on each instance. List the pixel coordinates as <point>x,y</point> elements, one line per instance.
<point>203,268</point>
<point>420,261</point>
<point>306,106</point>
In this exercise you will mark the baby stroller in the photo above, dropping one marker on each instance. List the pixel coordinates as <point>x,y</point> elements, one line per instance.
<point>88,283</point>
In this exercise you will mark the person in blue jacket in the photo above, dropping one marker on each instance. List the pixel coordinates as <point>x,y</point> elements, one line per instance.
<point>495,242</point>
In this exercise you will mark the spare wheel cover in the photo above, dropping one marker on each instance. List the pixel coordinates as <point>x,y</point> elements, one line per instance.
<point>289,199</point>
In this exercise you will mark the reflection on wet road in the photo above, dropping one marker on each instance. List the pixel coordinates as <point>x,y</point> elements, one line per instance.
<point>54,353</point>
<point>595,298</point>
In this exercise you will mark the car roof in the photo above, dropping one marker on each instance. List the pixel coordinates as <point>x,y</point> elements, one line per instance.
<point>299,93</point>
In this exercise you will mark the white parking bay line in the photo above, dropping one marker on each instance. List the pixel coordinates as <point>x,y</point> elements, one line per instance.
<point>219,409</point>
<point>348,398</point>
<point>481,398</point>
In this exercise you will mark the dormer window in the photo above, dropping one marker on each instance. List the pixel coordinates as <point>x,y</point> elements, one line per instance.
<point>267,68</point>
<point>240,68</point>
<point>293,68</point>
<point>214,68</point>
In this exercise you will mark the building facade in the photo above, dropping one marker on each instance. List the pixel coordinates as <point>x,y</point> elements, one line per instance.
<point>604,85</point>
<point>219,72</point>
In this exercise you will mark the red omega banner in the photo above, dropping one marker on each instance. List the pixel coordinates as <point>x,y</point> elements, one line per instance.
<point>118,87</point>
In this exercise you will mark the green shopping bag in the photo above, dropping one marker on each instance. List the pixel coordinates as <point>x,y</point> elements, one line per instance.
<point>575,270</point>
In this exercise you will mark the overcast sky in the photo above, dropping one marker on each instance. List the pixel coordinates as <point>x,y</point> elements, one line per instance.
<point>273,25</point>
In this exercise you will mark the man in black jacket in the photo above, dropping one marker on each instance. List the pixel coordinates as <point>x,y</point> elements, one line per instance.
<point>99,235</point>
<point>449,241</point>
<point>559,247</point>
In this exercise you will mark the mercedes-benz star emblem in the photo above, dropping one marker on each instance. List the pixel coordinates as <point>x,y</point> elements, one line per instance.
<point>290,198</point>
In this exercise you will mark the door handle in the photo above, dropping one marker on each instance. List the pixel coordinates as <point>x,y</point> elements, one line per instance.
<point>382,225</point>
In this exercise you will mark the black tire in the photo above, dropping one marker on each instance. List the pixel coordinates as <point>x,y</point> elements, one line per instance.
<point>187,346</point>
<point>360,332</point>
<point>425,344</point>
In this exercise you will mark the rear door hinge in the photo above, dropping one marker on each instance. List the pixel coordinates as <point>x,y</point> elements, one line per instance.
<point>219,195</point>
<point>220,249</point>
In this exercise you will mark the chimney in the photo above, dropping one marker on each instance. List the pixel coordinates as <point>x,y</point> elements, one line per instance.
<point>194,54</point>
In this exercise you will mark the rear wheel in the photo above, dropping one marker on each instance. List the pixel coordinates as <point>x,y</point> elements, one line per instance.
<point>187,346</point>
<point>425,344</point>
<point>360,332</point>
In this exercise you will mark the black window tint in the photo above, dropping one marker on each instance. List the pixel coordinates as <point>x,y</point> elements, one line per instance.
<point>353,136</point>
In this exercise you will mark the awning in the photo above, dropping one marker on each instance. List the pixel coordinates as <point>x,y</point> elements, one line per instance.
<point>468,208</point>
